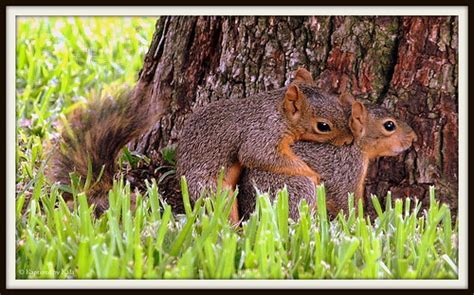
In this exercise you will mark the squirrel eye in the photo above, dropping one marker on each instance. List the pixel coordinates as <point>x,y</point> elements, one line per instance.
<point>389,126</point>
<point>323,127</point>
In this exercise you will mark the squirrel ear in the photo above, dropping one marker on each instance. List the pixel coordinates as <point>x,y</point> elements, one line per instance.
<point>303,75</point>
<point>346,99</point>
<point>358,119</point>
<point>293,101</point>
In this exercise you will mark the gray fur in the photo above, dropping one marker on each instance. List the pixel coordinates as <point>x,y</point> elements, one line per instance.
<point>246,130</point>
<point>340,169</point>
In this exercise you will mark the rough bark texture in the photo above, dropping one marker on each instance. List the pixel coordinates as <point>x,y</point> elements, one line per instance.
<point>408,64</point>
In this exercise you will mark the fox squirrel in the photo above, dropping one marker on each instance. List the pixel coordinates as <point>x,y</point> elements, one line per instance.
<point>257,132</point>
<point>95,134</point>
<point>377,133</point>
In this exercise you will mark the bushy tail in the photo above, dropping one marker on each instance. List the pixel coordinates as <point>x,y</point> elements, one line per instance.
<point>93,137</point>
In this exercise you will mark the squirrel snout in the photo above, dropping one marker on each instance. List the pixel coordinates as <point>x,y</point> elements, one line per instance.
<point>413,136</point>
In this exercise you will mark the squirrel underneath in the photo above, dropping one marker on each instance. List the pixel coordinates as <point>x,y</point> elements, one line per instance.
<point>377,133</point>
<point>257,132</point>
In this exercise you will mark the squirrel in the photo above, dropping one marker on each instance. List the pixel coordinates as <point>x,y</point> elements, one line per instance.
<point>377,133</point>
<point>257,132</point>
<point>94,135</point>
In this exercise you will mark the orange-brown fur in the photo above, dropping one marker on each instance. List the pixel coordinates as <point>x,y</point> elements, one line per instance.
<point>230,181</point>
<point>296,166</point>
<point>360,188</point>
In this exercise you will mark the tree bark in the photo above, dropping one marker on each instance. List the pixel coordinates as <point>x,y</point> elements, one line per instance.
<point>407,64</point>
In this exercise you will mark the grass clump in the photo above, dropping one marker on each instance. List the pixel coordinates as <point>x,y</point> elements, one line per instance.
<point>151,243</point>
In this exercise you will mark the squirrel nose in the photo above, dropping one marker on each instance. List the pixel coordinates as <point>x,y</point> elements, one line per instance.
<point>413,136</point>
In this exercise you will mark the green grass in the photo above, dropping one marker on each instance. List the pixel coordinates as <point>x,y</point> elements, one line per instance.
<point>60,62</point>
<point>151,243</point>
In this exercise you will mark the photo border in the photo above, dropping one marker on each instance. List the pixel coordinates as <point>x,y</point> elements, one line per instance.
<point>9,282</point>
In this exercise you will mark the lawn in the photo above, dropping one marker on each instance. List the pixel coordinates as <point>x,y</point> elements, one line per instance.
<point>62,61</point>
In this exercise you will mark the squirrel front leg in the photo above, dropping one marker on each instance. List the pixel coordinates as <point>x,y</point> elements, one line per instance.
<point>276,158</point>
<point>291,164</point>
<point>297,167</point>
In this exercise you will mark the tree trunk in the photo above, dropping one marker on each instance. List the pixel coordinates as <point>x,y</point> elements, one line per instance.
<point>407,64</point>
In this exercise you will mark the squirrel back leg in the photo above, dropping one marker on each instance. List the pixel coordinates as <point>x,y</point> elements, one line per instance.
<point>231,178</point>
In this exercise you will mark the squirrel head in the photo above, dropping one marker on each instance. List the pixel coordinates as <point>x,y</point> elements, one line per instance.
<point>312,115</point>
<point>378,132</point>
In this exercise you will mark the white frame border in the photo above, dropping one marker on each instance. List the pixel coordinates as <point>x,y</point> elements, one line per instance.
<point>461,11</point>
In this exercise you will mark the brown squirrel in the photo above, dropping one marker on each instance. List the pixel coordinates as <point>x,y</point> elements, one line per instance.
<point>257,132</point>
<point>94,135</point>
<point>377,133</point>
